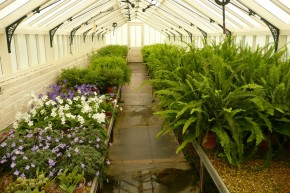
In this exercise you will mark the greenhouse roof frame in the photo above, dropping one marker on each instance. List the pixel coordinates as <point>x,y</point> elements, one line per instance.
<point>179,17</point>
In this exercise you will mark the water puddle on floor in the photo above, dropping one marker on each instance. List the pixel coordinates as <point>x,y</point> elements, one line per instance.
<point>168,180</point>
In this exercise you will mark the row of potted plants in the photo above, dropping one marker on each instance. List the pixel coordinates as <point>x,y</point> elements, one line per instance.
<point>241,95</point>
<point>60,144</point>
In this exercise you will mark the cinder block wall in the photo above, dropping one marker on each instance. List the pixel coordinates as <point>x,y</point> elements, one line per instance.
<point>15,92</point>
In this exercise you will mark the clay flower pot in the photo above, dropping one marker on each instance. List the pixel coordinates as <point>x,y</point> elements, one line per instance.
<point>209,140</point>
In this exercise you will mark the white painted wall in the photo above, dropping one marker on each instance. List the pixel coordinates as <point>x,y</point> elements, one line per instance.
<point>33,65</point>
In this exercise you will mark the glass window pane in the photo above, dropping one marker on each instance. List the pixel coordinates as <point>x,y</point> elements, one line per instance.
<point>138,36</point>
<point>275,10</point>
<point>132,36</point>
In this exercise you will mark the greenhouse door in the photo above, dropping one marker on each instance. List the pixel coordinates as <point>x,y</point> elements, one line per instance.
<point>135,41</point>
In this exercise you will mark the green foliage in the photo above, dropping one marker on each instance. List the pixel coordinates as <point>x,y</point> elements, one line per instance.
<point>69,181</point>
<point>24,185</point>
<point>239,94</point>
<point>111,50</point>
<point>77,76</point>
<point>110,71</point>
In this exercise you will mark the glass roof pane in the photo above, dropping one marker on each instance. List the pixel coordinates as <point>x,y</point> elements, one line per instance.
<point>59,12</point>
<point>219,15</point>
<point>26,22</point>
<point>244,15</point>
<point>154,2</point>
<point>1,1</point>
<point>12,7</point>
<point>286,3</point>
<point>275,10</point>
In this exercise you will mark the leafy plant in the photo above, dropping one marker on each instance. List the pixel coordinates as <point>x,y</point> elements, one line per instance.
<point>28,185</point>
<point>69,181</point>
<point>240,94</point>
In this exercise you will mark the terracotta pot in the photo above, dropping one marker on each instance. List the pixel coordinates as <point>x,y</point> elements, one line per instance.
<point>80,189</point>
<point>209,140</point>
<point>4,135</point>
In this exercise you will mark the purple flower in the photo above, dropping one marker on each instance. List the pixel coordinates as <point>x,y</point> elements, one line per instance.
<point>20,147</point>
<point>76,139</point>
<point>3,144</point>
<point>41,132</point>
<point>97,146</point>
<point>32,165</point>
<point>73,134</point>
<point>56,140</point>
<point>76,150</point>
<point>27,167</point>
<point>16,173</point>
<point>34,148</point>
<point>50,174</point>
<point>40,96</point>
<point>3,161</point>
<point>55,150</point>
<point>89,183</point>
<point>62,145</point>
<point>14,158</point>
<point>25,157</point>
<point>13,144</point>
<point>13,165</point>
<point>48,138</point>
<point>98,139</point>
<point>40,139</point>
<point>29,135</point>
<point>81,141</point>
<point>8,155</point>
<point>59,154</point>
<point>69,135</point>
<point>51,163</point>
<point>22,175</point>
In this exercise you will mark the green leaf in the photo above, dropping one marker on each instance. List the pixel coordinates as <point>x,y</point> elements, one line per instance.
<point>185,141</point>
<point>187,123</point>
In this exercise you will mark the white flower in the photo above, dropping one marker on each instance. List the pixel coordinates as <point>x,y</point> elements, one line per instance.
<point>69,101</point>
<point>100,117</point>
<point>44,98</point>
<point>59,100</point>
<point>18,116</point>
<point>33,112</point>
<point>43,111</point>
<point>83,98</point>
<point>66,107</point>
<point>76,98</point>
<point>63,120</point>
<point>15,125</point>
<point>86,108</point>
<point>81,119</point>
<point>30,123</point>
<point>79,91</point>
<point>53,114</point>
<point>121,109</point>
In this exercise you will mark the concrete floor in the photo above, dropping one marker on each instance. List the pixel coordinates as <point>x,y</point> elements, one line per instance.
<point>139,161</point>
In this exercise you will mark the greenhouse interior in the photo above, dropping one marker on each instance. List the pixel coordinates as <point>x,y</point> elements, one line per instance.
<point>142,96</point>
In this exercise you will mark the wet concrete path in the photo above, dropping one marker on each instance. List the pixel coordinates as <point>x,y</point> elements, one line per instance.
<point>139,161</point>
